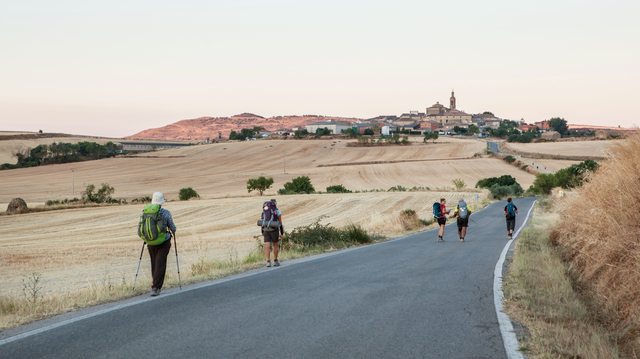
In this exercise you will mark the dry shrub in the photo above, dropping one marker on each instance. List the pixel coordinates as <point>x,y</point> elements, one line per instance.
<point>409,220</point>
<point>599,234</point>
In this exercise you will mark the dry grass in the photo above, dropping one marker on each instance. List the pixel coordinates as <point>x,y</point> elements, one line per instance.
<point>603,246</point>
<point>576,149</point>
<point>540,295</point>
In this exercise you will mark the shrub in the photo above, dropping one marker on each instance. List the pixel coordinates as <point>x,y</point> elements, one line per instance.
<point>458,183</point>
<point>103,195</point>
<point>543,183</point>
<point>504,180</point>
<point>337,189</point>
<point>409,220</point>
<point>397,188</point>
<point>509,159</point>
<point>499,192</point>
<point>326,236</point>
<point>259,184</point>
<point>187,193</point>
<point>145,199</point>
<point>300,184</point>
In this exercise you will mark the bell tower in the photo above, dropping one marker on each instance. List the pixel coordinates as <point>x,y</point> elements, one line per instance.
<point>452,101</point>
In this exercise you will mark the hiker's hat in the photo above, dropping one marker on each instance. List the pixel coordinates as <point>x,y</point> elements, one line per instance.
<point>158,198</point>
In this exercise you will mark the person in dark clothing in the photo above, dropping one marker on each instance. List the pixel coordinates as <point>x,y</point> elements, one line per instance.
<point>510,211</point>
<point>272,237</point>
<point>158,252</point>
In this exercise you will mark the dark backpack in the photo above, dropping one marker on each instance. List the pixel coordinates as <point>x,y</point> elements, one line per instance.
<point>269,217</point>
<point>436,210</point>
<point>152,228</point>
<point>511,210</point>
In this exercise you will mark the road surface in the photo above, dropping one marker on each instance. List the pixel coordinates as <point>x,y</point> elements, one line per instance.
<point>407,298</point>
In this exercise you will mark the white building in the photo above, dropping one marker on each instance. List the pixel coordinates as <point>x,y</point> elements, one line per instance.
<point>333,126</point>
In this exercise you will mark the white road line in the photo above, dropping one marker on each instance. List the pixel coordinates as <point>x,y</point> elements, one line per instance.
<point>509,337</point>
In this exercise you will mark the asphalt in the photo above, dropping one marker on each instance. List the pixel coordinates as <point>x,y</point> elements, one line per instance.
<point>407,298</point>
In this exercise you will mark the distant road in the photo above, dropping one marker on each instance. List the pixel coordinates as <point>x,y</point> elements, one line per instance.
<point>407,298</point>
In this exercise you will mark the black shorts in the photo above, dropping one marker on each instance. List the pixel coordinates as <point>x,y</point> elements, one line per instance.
<point>271,236</point>
<point>442,220</point>
<point>511,223</point>
<point>463,222</point>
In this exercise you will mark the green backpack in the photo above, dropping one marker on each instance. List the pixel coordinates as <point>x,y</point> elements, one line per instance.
<point>152,228</point>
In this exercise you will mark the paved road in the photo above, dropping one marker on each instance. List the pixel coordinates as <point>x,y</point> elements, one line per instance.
<point>408,298</point>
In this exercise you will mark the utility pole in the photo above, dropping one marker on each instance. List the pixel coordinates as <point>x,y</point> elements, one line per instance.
<point>73,183</point>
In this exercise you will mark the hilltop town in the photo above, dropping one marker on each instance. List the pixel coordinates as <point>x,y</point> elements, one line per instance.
<point>436,118</point>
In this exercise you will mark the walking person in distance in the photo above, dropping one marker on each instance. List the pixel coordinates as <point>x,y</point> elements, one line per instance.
<point>440,215</point>
<point>510,212</point>
<point>272,228</point>
<point>156,227</point>
<point>462,214</point>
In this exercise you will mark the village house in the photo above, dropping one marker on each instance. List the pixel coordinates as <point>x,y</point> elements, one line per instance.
<point>334,126</point>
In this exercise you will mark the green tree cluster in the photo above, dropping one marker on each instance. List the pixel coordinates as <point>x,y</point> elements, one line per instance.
<point>430,136</point>
<point>187,193</point>
<point>300,184</point>
<point>245,133</point>
<point>571,177</point>
<point>259,184</point>
<point>64,153</point>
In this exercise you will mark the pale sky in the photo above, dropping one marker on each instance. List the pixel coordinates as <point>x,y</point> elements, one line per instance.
<point>113,68</point>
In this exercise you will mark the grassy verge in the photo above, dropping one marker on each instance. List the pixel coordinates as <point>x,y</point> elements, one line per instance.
<point>541,295</point>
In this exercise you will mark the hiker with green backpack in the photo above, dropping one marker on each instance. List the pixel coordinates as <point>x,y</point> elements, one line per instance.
<point>156,228</point>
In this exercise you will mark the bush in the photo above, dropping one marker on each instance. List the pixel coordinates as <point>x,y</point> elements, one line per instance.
<point>326,236</point>
<point>103,195</point>
<point>259,184</point>
<point>187,193</point>
<point>337,189</point>
<point>397,188</point>
<point>543,183</point>
<point>458,183</point>
<point>499,192</point>
<point>300,184</point>
<point>409,220</point>
<point>505,180</point>
<point>145,199</point>
<point>509,159</point>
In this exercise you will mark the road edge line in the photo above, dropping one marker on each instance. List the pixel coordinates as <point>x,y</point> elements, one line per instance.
<point>509,338</point>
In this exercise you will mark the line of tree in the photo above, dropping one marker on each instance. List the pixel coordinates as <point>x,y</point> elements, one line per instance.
<point>245,133</point>
<point>571,177</point>
<point>63,153</point>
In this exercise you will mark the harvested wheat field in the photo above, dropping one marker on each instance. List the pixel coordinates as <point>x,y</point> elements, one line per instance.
<point>222,170</point>
<point>569,148</point>
<point>80,248</point>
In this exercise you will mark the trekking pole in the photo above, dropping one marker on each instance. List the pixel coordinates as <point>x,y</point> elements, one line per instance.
<point>138,270</point>
<point>177,262</point>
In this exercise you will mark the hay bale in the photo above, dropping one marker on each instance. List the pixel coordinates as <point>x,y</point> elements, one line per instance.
<point>17,205</point>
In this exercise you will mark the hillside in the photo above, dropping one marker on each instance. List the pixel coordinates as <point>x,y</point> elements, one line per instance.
<point>209,127</point>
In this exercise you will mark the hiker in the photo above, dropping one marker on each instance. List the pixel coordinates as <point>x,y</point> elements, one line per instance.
<point>510,211</point>
<point>156,228</point>
<point>440,214</point>
<point>272,228</point>
<point>462,212</point>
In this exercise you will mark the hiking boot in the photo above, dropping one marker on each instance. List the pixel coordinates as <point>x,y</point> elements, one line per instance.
<point>155,292</point>
<point>440,239</point>
<point>276,263</point>
<point>268,264</point>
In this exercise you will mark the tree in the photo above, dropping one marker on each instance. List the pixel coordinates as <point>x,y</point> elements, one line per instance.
<point>300,184</point>
<point>259,184</point>
<point>323,132</point>
<point>103,195</point>
<point>187,193</point>
<point>460,130</point>
<point>559,125</point>
<point>369,132</point>
<point>543,183</point>
<point>300,133</point>
<point>430,136</point>
<point>473,129</point>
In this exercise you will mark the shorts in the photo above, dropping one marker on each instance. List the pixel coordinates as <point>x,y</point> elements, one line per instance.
<point>442,221</point>
<point>511,223</point>
<point>271,236</point>
<point>463,222</point>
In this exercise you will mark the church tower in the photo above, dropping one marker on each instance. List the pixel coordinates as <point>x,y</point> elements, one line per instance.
<point>452,101</point>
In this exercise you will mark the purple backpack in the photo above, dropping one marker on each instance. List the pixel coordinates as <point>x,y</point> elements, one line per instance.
<point>269,217</point>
